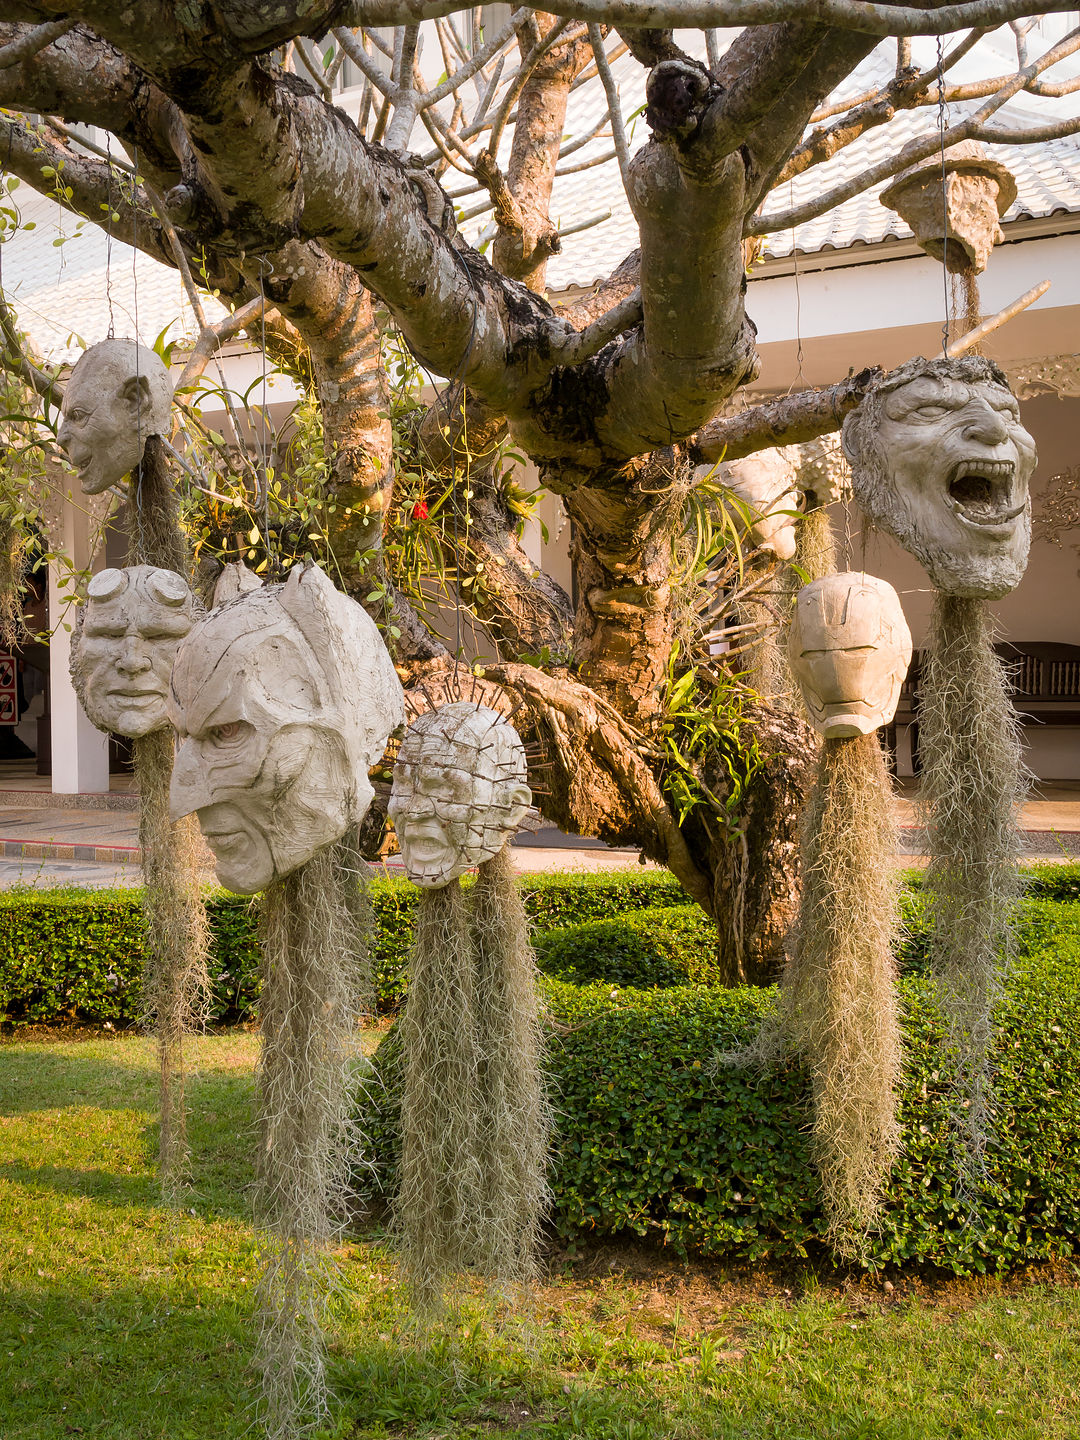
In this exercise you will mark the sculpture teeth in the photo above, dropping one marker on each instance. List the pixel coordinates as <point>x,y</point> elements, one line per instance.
<point>990,469</point>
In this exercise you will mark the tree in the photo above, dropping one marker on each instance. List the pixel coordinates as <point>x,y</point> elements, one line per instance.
<point>243,167</point>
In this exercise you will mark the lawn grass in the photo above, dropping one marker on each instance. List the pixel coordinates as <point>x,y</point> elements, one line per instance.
<point>122,1321</point>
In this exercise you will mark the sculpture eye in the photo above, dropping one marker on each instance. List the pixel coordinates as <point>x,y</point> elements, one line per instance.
<point>931,412</point>
<point>225,733</point>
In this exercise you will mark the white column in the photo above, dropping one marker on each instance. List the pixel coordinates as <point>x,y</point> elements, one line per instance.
<point>80,752</point>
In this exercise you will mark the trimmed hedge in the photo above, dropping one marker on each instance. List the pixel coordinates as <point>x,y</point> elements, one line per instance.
<point>67,953</point>
<point>656,1140</point>
<point>662,946</point>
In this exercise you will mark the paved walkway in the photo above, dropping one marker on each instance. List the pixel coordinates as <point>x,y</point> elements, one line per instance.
<point>42,845</point>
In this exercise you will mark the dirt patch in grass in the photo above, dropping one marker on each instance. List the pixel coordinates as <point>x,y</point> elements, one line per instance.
<point>699,1293</point>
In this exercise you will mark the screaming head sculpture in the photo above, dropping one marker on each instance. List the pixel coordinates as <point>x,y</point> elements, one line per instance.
<point>118,395</point>
<point>123,653</point>
<point>284,698</point>
<point>459,791</point>
<point>850,649</point>
<point>941,462</point>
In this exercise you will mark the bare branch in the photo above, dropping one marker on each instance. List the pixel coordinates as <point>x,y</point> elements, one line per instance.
<point>16,361</point>
<point>618,129</point>
<point>972,127</point>
<point>585,343</point>
<point>866,16</point>
<point>787,421</point>
<point>33,41</point>
<point>213,337</point>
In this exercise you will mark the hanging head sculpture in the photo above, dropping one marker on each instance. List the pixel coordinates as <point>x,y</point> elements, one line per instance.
<point>941,462</point>
<point>460,791</point>
<point>284,698</point>
<point>850,648</point>
<point>118,395</point>
<point>123,651</point>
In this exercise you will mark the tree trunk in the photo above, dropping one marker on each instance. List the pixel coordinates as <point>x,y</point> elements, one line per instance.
<point>755,872</point>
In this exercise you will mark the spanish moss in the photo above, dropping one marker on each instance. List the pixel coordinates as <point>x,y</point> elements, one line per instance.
<point>973,784</point>
<point>315,971</point>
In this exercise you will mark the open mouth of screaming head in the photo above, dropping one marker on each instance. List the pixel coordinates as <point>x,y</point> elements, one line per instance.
<point>981,493</point>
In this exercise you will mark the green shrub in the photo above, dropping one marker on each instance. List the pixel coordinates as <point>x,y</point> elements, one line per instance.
<point>655,1140</point>
<point>1043,880</point>
<point>68,953</point>
<point>663,946</point>
<point>1042,924</point>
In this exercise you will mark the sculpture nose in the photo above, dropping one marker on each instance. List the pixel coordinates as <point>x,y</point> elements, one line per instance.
<point>187,791</point>
<point>986,425</point>
<point>133,659</point>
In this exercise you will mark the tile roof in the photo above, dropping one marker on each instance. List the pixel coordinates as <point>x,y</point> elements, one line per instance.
<point>63,292</point>
<point>1047,174</point>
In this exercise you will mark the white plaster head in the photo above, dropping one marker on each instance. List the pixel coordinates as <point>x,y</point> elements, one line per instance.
<point>765,483</point>
<point>940,460</point>
<point>283,698</point>
<point>118,394</point>
<point>235,579</point>
<point>850,648</point>
<point>460,791</point>
<point>123,651</point>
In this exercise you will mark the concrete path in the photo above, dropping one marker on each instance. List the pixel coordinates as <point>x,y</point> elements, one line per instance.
<point>43,845</point>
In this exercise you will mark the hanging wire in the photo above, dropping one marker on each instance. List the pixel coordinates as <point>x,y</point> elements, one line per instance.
<point>942,125</point>
<point>272,561</point>
<point>799,375</point>
<point>135,313</point>
<point>109,230</point>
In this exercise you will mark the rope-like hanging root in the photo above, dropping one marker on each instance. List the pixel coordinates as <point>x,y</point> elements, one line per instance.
<point>838,1003</point>
<point>973,783</point>
<point>176,980</point>
<point>315,976</point>
<point>439,1213</point>
<point>474,1117</point>
<point>515,1142</point>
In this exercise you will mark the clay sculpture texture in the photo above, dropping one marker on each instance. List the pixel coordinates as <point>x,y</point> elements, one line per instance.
<point>123,652</point>
<point>765,483</point>
<point>850,648</point>
<point>459,792</point>
<point>283,698</point>
<point>941,462</point>
<point>118,395</point>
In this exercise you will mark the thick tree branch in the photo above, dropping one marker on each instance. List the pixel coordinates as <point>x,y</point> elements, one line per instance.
<point>787,421</point>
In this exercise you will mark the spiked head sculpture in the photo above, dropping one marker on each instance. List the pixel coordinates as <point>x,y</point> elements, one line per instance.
<point>459,792</point>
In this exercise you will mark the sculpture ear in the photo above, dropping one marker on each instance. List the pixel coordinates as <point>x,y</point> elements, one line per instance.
<point>518,800</point>
<point>849,438</point>
<point>135,392</point>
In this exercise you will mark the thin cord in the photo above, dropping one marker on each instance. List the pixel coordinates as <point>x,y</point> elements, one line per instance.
<point>799,375</point>
<point>108,231</point>
<point>135,310</point>
<point>942,123</point>
<point>272,561</point>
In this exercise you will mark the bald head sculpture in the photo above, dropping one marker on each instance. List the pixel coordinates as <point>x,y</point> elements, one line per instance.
<point>118,395</point>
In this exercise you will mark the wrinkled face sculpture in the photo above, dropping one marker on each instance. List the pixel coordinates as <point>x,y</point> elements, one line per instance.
<point>459,792</point>
<point>850,649</point>
<point>765,483</point>
<point>118,395</point>
<point>122,655</point>
<point>284,698</point>
<point>941,462</point>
